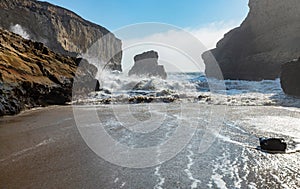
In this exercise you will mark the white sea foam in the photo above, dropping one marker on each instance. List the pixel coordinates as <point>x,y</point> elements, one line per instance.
<point>191,162</point>
<point>123,184</point>
<point>229,140</point>
<point>217,179</point>
<point>284,125</point>
<point>160,179</point>
<point>116,180</point>
<point>193,87</point>
<point>121,83</point>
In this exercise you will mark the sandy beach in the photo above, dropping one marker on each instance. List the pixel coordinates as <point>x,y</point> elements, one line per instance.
<point>43,148</point>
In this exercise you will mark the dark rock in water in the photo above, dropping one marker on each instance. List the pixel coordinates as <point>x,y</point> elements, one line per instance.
<point>147,99</point>
<point>267,38</point>
<point>290,78</point>
<point>60,30</point>
<point>146,64</point>
<point>140,99</point>
<point>201,97</point>
<point>272,144</point>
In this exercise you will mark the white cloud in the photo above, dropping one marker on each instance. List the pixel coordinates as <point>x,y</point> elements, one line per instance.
<point>210,34</point>
<point>179,49</point>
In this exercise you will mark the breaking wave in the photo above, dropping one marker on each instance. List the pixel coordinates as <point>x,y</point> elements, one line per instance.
<point>191,87</point>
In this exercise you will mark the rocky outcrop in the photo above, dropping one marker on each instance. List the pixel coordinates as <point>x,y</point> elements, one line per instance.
<point>267,38</point>
<point>61,30</point>
<point>32,75</point>
<point>290,78</point>
<point>85,80</point>
<point>146,64</point>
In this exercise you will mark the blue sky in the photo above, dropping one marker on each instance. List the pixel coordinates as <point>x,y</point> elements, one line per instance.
<point>114,14</point>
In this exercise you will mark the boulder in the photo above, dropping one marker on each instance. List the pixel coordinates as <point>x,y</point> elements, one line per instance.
<point>290,78</point>
<point>273,144</point>
<point>146,64</point>
<point>267,38</point>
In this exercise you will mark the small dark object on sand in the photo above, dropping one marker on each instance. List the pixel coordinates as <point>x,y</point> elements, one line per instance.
<point>273,144</point>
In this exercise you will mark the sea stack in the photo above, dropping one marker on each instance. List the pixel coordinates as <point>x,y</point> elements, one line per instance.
<point>146,64</point>
<point>267,38</point>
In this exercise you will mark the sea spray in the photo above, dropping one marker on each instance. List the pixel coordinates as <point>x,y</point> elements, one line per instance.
<point>18,29</point>
<point>193,87</point>
<point>120,83</point>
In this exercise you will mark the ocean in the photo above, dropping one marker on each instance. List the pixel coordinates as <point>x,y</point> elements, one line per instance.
<point>206,138</point>
<point>118,87</point>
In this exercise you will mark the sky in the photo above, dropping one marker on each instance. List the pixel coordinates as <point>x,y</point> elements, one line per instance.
<point>206,20</point>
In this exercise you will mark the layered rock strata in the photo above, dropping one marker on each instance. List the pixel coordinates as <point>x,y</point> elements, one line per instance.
<point>61,30</point>
<point>33,75</point>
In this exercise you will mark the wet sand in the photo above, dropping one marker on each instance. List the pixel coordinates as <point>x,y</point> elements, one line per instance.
<point>43,149</point>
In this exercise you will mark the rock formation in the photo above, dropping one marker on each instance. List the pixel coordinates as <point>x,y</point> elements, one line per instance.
<point>33,75</point>
<point>146,64</point>
<point>59,29</point>
<point>267,38</point>
<point>290,78</point>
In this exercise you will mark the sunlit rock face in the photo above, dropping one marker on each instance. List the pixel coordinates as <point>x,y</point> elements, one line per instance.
<point>146,64</point>
<point>60,30</point>
<point>266,39</point>
<point>33,75</point>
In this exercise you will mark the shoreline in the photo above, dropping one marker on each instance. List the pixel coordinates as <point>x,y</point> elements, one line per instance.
<point>35,109</point>
<point>154,100</point>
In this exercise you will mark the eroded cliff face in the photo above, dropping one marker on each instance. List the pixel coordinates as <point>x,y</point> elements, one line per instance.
<point>59,29</point>
<point>33,75</point>
<point>269,37</point>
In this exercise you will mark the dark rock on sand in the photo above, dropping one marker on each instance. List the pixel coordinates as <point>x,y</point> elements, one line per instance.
<point>273,144</point>
<point>267,38</point>
<point>146,64</point>
<point>61,30</point>
<point>290,78</point>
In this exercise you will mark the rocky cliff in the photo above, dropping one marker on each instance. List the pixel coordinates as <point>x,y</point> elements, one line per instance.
<point>32,75</point>
<point>290,78</point>
<point>59,29</point>
<point>146,64</point>
<point>269,37</point>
